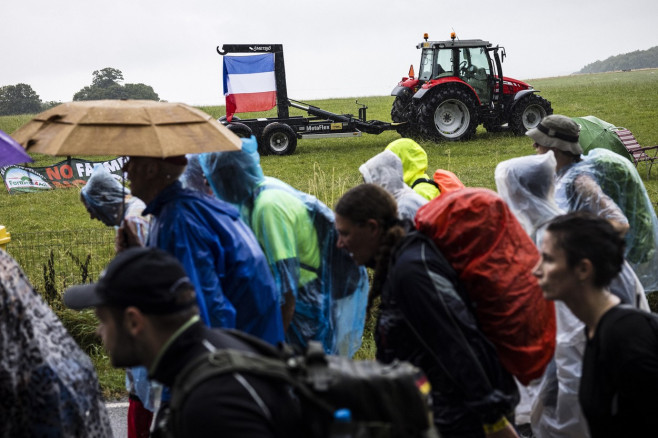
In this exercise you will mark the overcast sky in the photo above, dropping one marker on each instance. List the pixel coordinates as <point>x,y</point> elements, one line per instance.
<point>338,48</point>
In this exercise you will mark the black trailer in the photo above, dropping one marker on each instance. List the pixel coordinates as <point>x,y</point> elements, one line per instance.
<point>278,135</point>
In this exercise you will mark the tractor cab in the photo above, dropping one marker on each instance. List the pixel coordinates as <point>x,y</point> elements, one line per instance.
<point>468,61</point>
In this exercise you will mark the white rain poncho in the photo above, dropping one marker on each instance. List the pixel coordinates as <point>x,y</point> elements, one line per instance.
<point>298,237</point>
<point>621,183</point>
<point>48,385</point>
<point>385,170</point>
<point>527,184</point>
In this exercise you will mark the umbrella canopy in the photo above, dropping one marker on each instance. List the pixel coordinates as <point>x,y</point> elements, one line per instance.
<point>125,127</point>
<point>597,133</point>
<point>11,152</point>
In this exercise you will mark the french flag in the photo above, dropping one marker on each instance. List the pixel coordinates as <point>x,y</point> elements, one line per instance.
<point>249,84</point>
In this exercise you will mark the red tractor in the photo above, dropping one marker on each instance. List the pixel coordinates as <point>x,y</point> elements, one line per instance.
<point>460,84</point>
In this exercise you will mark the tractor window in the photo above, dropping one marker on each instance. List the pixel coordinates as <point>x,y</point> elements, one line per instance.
<point>480,60</point>
<point>474,69</point>
<point>426,63</point>
<point>444,63</point>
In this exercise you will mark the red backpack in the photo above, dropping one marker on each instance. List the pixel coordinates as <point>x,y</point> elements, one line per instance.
<point>494,258</point>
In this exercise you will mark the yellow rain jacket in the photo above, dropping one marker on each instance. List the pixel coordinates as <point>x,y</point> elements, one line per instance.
<point>414,166</point>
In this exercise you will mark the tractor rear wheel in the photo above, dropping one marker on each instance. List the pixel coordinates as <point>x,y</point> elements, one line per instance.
<point>403,110</point>
<point>450,113</point>
<point>278,139</point>
<point>528,112</point>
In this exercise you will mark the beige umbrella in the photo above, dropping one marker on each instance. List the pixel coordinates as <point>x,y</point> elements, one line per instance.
<point>125,127</point>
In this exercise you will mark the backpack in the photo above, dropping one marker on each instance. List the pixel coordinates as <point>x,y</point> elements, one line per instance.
<point>447,181</point>
<point>494,257</point>
<point>385,401</point>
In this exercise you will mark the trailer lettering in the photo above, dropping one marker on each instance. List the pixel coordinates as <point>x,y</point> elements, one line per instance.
<point>317,128</point>
<point>261,48</point>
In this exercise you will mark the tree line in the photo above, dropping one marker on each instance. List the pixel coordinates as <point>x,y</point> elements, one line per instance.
<point>106,84</point>
<point>627,61</point>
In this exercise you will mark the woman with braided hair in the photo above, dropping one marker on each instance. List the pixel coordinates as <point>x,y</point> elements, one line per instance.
<point>425,318</point>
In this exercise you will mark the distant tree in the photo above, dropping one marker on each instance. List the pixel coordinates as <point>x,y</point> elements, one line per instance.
<point>141,91</point>
<point>106,85</point>
<point>18,99</point>
<point>107,77</point>
<point>49,104</point>
<point>627,61</point>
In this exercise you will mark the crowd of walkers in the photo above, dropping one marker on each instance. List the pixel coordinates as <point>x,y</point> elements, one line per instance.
<point>525,309</point>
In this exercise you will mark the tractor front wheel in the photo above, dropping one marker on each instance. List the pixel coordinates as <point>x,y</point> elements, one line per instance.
<point>528,112</point>
<point>402,111</point>
<point>278,139</point>
<point>450,113</point>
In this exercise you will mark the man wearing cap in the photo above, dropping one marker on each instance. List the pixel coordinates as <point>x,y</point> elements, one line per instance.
<point>148,316</point>
<point>574,190</point>
<point>219,252</point>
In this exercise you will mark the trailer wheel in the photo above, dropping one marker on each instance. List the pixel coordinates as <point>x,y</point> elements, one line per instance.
<point>279,139</point>
<point>448,114</point>
<point>240,129</point>
<point>528,112</point>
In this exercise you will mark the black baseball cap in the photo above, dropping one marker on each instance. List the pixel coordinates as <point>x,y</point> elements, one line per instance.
<point>147,278</point>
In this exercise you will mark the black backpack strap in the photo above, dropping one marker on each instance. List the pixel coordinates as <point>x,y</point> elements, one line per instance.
<point>424,180</point>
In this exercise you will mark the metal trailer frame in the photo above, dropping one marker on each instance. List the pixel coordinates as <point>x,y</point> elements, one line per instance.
<point>278,135</point>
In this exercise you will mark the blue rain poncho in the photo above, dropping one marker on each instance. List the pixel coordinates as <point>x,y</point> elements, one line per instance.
<point>222,259</point>
<point>385,169</point>
<point>297,234</point>
<point>620,183</point>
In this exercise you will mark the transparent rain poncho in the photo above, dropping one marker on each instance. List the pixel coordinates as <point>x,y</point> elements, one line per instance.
<point>385,169</point>
<point>298,238</point>
<point>103,196</point>
<point>620,183</point>
<point>193,178</point>
<point>527,185</point>
<point>48,385</point>
<point>414,164</point>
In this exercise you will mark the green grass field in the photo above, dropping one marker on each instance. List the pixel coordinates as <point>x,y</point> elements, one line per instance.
<point>327,168</point>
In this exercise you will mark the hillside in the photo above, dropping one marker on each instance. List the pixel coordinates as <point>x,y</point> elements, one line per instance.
<point>627,61</point>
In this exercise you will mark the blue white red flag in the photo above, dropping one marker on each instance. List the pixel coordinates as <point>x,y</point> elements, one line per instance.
<point>249,84</point>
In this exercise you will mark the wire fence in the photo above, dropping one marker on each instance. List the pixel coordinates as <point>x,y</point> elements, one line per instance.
<point>55,260</point>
